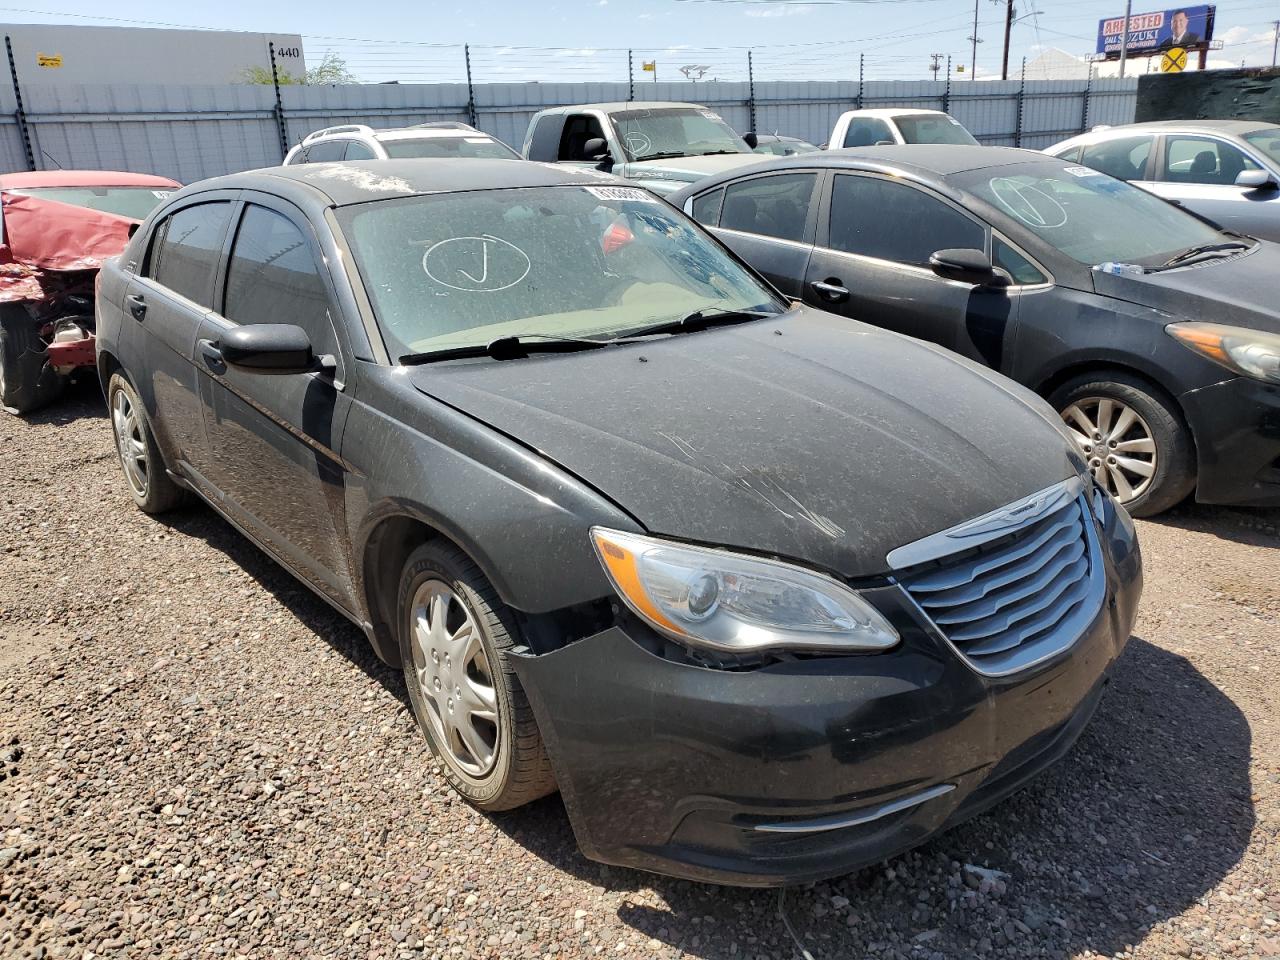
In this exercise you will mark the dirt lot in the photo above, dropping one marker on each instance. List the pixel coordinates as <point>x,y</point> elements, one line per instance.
<point>200,759</point>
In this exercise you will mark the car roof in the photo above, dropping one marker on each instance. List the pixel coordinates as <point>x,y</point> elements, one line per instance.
<point>890,112</point>
<point>937,159</point>
<point>84,178</point>
<point>428,133</point>
<point>1215,126</point>
<point>618,106</point>
<point>357,181</point>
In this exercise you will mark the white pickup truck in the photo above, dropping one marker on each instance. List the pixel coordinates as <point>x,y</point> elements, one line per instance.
<point>869,128</point>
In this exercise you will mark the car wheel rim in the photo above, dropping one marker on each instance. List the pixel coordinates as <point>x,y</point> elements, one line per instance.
<point>1117,444</point>
<point>130,442</point>
<point>455,677</point>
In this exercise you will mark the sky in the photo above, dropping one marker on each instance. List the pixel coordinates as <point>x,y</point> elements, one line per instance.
<point>563,40</point>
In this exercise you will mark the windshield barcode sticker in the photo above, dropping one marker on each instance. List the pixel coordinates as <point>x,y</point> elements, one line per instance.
<point>622,193</point>
<point>478,139</point>
<point>1082,171</point>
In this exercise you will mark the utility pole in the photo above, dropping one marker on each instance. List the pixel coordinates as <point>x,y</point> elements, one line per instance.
<point>1008,29</point>
<point>937,63</point>
<point>973,62</point>
<point>1275,43</point>
<point>1124,37</point>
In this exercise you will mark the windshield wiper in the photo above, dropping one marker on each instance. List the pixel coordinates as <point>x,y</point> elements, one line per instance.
<point>1202,250</point>
<point>700,320</point>
<point>661,156</point>
<point>507,348</point>
<point>718,153</point>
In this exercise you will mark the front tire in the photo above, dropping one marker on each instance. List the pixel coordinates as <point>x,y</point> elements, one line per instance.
<point>455,634</point>
<point>1133,438</point>
<point>151,487</point>
<point>27,382</point>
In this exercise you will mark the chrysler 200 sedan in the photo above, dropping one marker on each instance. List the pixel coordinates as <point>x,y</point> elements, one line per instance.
<point>766,594</point>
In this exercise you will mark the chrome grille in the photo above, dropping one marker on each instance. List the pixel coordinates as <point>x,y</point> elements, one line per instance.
<point>1024,593</point>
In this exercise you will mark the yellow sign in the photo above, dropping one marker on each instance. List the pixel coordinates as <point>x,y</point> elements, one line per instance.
<point>48,59</point>
<point>1173,61</point>
<point>959,68</point>
<point>649,66</point>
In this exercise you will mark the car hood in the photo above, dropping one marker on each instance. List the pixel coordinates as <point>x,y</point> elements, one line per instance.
<point>1240,290</point>
<point>810,437</point>
<point>686,169</point>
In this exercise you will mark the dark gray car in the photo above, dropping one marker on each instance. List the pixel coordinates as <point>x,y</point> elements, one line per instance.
<point>767,595</point>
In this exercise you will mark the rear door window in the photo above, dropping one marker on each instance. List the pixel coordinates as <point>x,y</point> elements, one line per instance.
<point>1189,159</point>
<point>186,248</point>
<point>274,277</point>
<point>358,151</point>
<point>706,208</point>
<point>1124,158</point>
<point>874,217</point>
<point>776,206</point>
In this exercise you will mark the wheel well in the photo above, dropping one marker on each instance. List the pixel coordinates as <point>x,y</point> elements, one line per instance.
<point>385,553</point>
<point>1101,369</point>
<point>107,365</point>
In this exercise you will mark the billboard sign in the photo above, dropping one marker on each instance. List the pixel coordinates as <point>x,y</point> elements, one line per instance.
<point>1190,28</point>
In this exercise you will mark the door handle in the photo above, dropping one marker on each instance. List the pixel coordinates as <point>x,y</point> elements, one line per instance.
<point>830,290</point>
<point>137,306</point>
<point>212,356</point>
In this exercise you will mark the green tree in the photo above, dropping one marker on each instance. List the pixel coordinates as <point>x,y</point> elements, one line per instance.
<point>331,69</point>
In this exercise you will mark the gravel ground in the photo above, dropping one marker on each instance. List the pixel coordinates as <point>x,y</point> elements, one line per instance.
<point>199,759</point>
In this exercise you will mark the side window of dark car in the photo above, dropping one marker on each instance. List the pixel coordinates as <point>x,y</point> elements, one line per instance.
<point>1124,158</point>
<point>706,208</point>
<point>185,250</point>
<point>775,206</point>
<point>1203,160</point>
<point>878,218</point>
<point>867,132</point>
<point>358,151</point>
<point>545,140</point>
<point>274,277</point>
<point>578,129</point>
<point>326,150</point>
<point>1011,261</point>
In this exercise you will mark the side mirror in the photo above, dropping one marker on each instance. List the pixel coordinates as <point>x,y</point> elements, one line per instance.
<point>269,348</point>
<point>750,139</point>
<point>1256,180</point>
<point>966,266</point>
<point>596,149</point>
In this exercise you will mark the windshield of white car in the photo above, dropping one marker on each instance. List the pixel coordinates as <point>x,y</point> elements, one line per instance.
<point>932,128</point>
<point>457,270</point>
<point>1267,140</point>
<point>675,132</point>
<point>431,147</point>
<point>1090,217</point>
<point>132,202</point>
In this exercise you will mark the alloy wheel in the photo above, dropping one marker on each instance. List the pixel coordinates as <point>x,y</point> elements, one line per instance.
<point>130,442</point>
<point>1116,442</point>
<point>455,677</point>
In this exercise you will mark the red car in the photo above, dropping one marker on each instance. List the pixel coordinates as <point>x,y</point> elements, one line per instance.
<point>56,228</point>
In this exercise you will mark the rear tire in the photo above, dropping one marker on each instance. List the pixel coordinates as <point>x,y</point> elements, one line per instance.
<point>455,634</point>
<point>1133,437</point>
<point>27,382</point>
<point>146,478</point>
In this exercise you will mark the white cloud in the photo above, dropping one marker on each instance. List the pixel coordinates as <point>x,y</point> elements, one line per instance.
<point>602,3</point>
<point>779,10</point>
<point>1242,35</point>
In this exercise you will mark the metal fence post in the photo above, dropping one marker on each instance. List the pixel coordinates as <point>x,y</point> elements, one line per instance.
<point>20,114</point>
<point>471,90</point>
<point>859,97</point>
<point>946,91</point>
<point>1084,106</point>
<point>631,79</point>
<point>1022,97</point>
<point>751,91</point>
<point>281,126</point>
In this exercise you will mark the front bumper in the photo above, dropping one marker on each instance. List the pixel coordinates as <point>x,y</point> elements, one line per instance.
<point>807,768</point>
<point>1236,425</point>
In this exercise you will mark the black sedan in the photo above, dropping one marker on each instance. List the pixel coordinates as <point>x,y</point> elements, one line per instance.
<point>766,594</point>
<point>1154,334</point>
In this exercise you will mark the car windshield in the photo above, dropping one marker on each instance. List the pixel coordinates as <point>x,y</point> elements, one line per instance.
<point>1267,140</point>
<point>1090,217</point>
<point>132,202</point>
<point>932,128</point>
<point>462,269</point>
<point>430,147</point>
<point>680,131</point>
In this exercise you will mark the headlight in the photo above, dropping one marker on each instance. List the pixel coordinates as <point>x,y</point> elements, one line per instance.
<point>1250,353</point>
<point>733,603</point>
